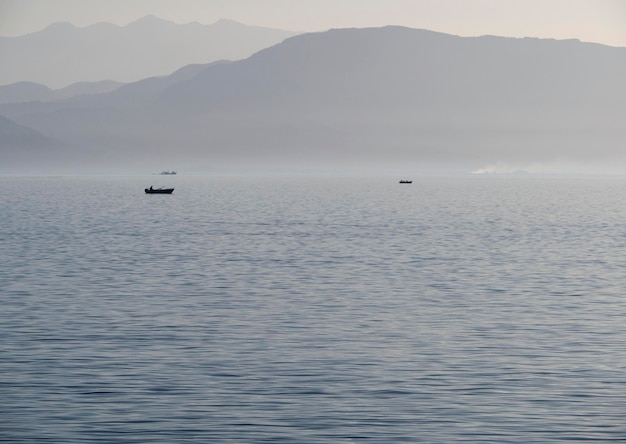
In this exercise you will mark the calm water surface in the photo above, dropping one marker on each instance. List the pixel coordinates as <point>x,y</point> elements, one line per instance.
<point>316,310</point>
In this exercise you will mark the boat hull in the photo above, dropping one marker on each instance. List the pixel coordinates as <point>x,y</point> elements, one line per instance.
<point>159,190</point>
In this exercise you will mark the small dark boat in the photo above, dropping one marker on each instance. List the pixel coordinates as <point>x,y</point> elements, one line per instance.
<point>159,190</point>
<point>406,181</point>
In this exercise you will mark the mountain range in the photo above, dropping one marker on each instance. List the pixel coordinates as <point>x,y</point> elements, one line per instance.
<point>63,54</point>
<point>21,92</point>
<point>377,98</point>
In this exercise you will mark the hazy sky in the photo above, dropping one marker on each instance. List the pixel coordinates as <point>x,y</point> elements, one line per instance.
<point>602,21</point>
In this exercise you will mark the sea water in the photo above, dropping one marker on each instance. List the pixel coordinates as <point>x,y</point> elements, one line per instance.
<point>312,310</point>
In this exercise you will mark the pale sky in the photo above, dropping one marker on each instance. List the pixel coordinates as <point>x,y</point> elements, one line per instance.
<point>602,21</point>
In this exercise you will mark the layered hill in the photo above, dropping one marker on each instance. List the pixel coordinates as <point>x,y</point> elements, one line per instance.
<point>372,98</point>
<point>63,54</point>
<point>20,145</point>
<point>22,92</point>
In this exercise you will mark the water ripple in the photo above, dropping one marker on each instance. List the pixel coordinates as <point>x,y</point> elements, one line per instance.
<point>283,310</point>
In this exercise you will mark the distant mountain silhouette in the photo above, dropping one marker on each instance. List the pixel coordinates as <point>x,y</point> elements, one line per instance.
<point>371,98</point>
<point>63,54</point>
<point>22,92</point>
<point>19,145</point>
<point>15,135</point>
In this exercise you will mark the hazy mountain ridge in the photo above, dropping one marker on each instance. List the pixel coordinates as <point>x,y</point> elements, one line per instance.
<point>19,145</point>
<point>381,96</point>
<point>389,63</point>
<point>19,135</point>
<point>22,92</point>
<point>63,54</point>
<point>32,98</point>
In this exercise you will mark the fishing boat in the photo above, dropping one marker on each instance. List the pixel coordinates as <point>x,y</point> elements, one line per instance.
<point>159,190</point>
